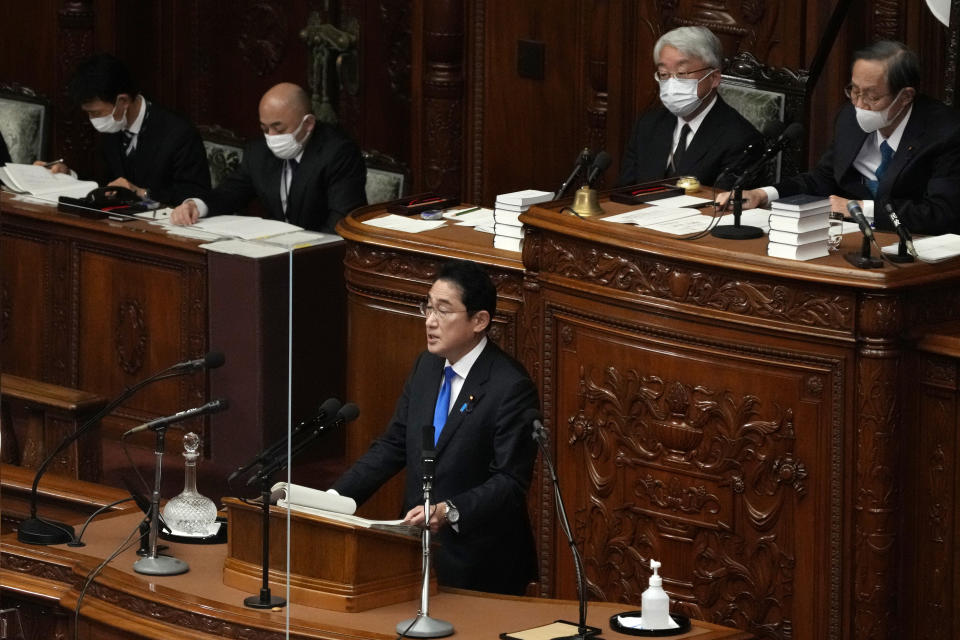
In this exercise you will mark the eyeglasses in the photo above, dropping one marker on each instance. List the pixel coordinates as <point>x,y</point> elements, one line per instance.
<point>661,76</point>
<point>427,310</point>
<point>856,95</point>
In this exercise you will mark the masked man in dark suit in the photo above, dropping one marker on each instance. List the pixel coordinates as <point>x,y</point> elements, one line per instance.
<point>890,145</point>
<point>475,396</point>
<point>304,172</point>
<point>152,151</point>
<point>694,132</point>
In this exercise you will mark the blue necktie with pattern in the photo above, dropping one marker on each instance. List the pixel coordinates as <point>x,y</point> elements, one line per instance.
<point>886,155</point>
<point>443,403</point>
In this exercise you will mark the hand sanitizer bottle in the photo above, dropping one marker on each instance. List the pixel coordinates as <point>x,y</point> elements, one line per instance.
<point>655,603</point>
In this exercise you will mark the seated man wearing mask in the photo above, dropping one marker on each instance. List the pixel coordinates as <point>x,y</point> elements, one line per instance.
<point>304,172</point>
<point>890,145</point>
<point>152,151</point>
<point>695,132</point>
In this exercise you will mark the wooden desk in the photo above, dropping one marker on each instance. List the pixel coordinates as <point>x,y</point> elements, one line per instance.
<point>738,417</point>
<point>123,605</point>
<point>98,305</point>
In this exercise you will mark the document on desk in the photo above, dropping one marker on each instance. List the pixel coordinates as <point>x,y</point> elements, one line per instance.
<point>403,223</point>
<point>673,220</point>
<point>37,180</point>
<point>482,217</point>
<point>932,249</point>
<point>681,201</point>
<point>245,248</point>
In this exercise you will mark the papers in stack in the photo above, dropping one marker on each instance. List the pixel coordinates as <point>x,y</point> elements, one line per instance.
<point>799,227</point>
<point>507,229</point>
<point>932,249</point>
<point>404,223</point>
<point>332,506</point>
<point>36,180</point>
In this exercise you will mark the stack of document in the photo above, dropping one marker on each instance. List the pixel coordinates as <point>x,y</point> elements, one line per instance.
<point>507,229</point>
<point>799,227</point>
<point>36,180</point>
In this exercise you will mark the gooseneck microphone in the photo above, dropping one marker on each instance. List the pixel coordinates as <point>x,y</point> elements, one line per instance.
<point>35,530</point>
<point>580,164</point>
<point>863,259</point>
<point>600,164</point>
<point>906,238</point>
<point>158,423</point>
<point>790,135</point>
<point>532,416</point>
<point>327,410</point>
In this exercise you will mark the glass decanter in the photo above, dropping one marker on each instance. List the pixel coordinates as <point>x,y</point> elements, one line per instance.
<point>190,512</point>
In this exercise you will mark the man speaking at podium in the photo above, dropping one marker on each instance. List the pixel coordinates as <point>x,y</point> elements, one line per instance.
<point>475,396</point>
<point>694,133</point>
<point>890,144</point>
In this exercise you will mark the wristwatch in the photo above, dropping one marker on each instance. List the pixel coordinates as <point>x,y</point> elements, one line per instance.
<point>452,515</point>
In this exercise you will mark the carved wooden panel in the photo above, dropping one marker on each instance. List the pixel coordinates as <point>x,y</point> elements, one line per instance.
<point>715,459</point>
<point>23,275</point>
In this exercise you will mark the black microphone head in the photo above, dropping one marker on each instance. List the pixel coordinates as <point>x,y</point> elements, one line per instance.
<point>329,407</point>
<point>584,157</point>
<point>602,161</point>
<point>772,129</point>
<point>428,437</point>
<point>220,404</point>
<point>530,415</point>
<point>853,207</point>
<point>793,132</point>
<point>348,412</point>
<point>213,360</point>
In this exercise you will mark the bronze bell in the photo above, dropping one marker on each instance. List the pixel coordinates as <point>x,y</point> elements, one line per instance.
<point>586,203</point>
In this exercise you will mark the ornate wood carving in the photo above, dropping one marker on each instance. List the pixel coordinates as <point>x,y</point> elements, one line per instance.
<point>263,36</point>
<point>750,24</point>
<point>74,135</point>
<point>475,122</point>
<point>716,290</point>
<point>131,335</point>
<point>596,134</point>
<point>443,89</point>
<point>395,21</point>
<point>886,20</point>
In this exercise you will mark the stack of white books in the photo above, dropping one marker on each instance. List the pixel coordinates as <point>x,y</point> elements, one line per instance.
<point>507,228</point>
<point>799,227</point>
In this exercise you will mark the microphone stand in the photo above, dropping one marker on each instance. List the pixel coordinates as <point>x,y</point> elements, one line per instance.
<point>863,260</point>
<point>735,231</point>
<point>34,530</point>
<point>265,600</point>
<point>154,564</point>
<point>423,626</point>
<point>584,632</point>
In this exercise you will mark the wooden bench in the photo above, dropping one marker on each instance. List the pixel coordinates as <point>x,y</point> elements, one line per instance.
<point>37,416</point>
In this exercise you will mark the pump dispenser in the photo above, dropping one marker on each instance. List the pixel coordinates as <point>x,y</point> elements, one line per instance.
<point>655,603</point>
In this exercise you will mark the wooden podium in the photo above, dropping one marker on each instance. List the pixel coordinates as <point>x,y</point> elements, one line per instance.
<point>333,565</point>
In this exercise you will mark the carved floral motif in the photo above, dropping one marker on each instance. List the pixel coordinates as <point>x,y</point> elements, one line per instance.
<point>131,335</point>
<point>263,36</point>
<point>622,271</point>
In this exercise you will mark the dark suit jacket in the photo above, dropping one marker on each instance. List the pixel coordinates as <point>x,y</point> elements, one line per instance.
<point>169,159</point>
<point>485,459</point>
<point>923,179</point>
<point>718,144</point>
<point>4,152</point>
<point>328,183</point>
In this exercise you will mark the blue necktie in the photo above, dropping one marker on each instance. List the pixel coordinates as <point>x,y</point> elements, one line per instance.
<point>443,403</point>
<point>886,155</point>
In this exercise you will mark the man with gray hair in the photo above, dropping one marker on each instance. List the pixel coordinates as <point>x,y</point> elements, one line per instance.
<point>303,171</point>
<point>694,132</point>
<point>891,144</point>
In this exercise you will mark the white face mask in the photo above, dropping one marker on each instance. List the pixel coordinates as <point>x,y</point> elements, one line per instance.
<point>285,145</point>
<point>107,123</point>
<point>680,96</point>
<point>870,121</point>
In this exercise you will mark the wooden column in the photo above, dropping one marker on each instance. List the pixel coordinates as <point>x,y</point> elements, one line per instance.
<point>74,135</point>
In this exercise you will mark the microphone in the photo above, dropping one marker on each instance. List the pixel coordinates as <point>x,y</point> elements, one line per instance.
<point>905,236</point>
<point>428,453</point>
<point>329,408</point>
<point>583,159</point>
<point>532,415</point>
<point>790,135</point>
<point>600,164</point>
<point>861,219</point>
<point>347,413</point>
<point>212,360</point>
<point>211,407</point>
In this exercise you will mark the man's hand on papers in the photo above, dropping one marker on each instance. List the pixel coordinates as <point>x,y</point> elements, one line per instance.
<point>438,518</point>
<point>185,214</point>
<point>752,198</point>
<point>58,167</point>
